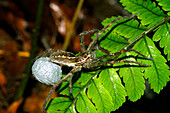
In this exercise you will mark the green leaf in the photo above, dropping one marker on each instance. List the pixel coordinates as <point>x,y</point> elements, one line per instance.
<point>130,29</point>
<point>147,10</point>
<point>165,5</point>
<point>112,39</point>
<point>60,105</point>
<point>100,96</point>
<point>113,42</point>
<point>76,85</point>
<point>163,34</point>
<point>107,21</point>
<point>78,91</point>
<point>134,82</point>
<point>158,74</point>
<point>112,82</point>
<point>84,105</point>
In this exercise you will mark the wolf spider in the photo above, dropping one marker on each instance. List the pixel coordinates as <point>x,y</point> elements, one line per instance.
<point>87,58</point>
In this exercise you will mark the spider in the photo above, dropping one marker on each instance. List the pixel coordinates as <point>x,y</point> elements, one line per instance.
<point>87,58</point>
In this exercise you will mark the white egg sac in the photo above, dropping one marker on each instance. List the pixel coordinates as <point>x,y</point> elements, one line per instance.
<point>46,72</point>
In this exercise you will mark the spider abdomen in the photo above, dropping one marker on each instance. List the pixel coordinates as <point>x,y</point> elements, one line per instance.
<point>64,58</point>
<point>69,59</point>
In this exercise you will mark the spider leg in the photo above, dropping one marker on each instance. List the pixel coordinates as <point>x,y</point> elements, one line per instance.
<point>105,63</point>
<point>82,34</point>
<point>129,61</point>
<point>128,50</point>
<point>114,56</point>
<point>44,105</point>
<point>92,44</point>
<point>45,53</point>
<point>70,86</point>
<point>112,59</point>
<point>53,87</point>
<point>141,54</point>
<point>74,70</point>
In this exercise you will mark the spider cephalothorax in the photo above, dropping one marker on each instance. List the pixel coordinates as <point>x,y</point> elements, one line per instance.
<point>87,59</point>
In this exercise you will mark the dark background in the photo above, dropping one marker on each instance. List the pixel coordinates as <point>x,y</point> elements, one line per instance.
<point>17,20</point>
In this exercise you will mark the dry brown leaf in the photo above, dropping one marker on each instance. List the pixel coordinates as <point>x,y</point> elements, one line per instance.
<point>31,104</point>
<point>14,106</point>
<point>3,111</point>
<point>2,78</point>
<point>3,82</point>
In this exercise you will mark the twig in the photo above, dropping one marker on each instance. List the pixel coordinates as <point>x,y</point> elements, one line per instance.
<point>35,34</point>
<point>68,36</point>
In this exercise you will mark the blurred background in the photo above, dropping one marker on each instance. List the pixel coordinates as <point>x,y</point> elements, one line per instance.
<point>19,91</point>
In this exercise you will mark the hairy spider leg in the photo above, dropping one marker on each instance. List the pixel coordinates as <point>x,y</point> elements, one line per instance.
<point>45,53</point>
<point>82,34</point>
<point>128,61</point>
<point>141,54</point>
<point>92,44</point>
<point>111,59</point>
<point>114,56</point>
<point>74,70</point>
<point>128,49</point>
<point>70,86</point>
<point>105,63</point>
<point>130,46</point>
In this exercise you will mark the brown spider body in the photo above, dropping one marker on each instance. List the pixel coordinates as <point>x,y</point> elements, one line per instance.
<point>63,58</point>
<point>69,59</point>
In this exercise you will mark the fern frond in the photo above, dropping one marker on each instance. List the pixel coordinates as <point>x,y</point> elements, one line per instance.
<point>128,28</point>
<point>113,42</point>
<point>77,86</point>
<point>78,90</point>
<point>100,96</point>
<point>147,11</point>
<point>134,82</point>
<point>158,74</point>
<point>165,5</point>
<point>60,104</point>
<point>112,82</point>
<point>112,39</point>
<point>84,105</point>
<point>163,34</point>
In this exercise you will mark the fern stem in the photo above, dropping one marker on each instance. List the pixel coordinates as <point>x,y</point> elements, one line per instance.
<point>68,36</point>
<point>133,42</point>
